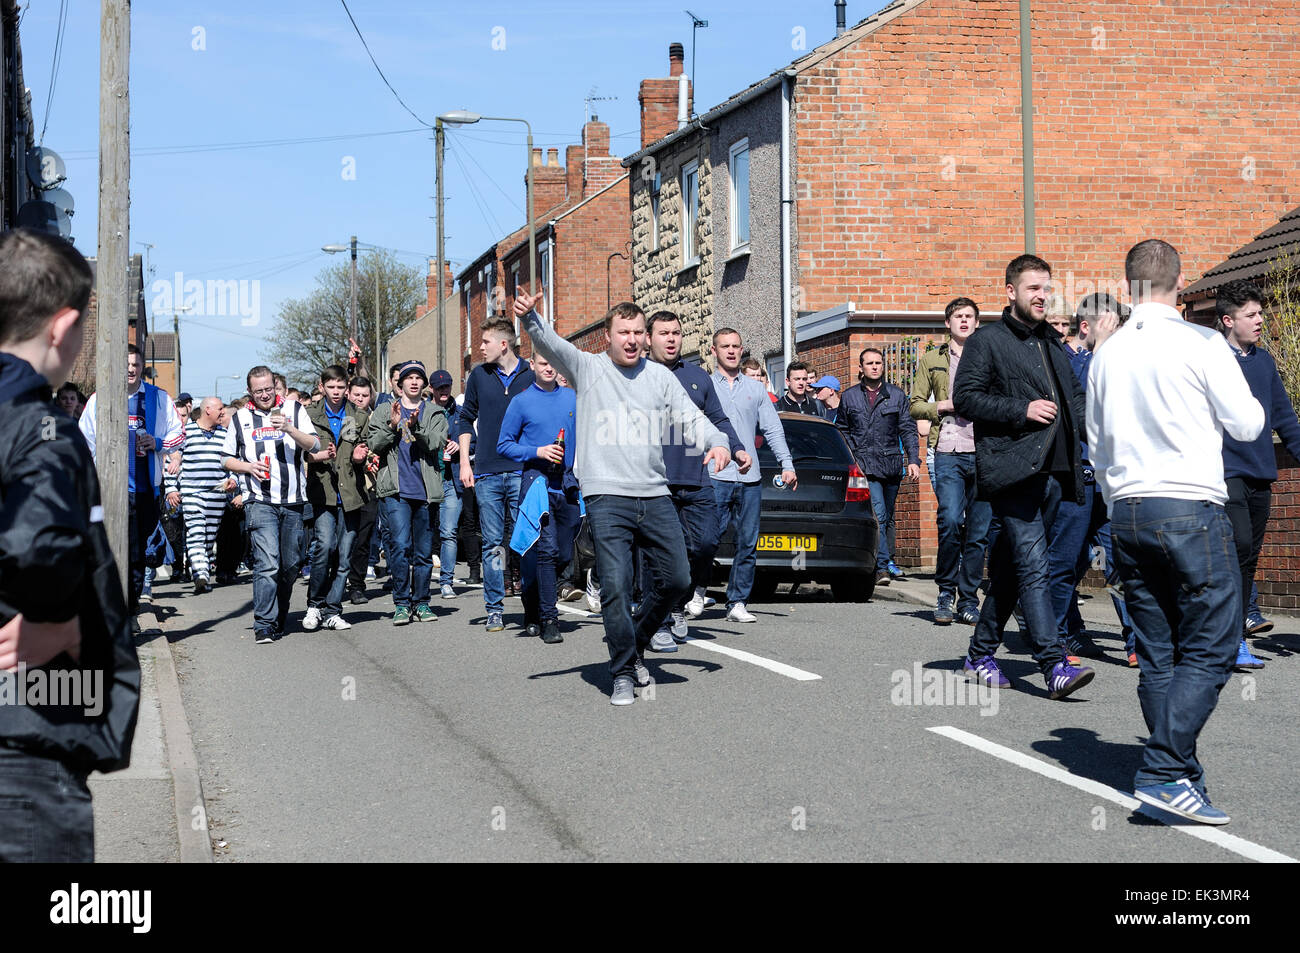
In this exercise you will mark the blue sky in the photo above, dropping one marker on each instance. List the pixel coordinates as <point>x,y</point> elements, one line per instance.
<point>292,70</point>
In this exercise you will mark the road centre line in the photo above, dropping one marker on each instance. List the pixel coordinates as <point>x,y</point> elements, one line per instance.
<point>1214,835</point>
<point>789,671</point>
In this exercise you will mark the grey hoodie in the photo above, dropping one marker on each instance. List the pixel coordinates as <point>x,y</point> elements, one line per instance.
<point>625,416</point>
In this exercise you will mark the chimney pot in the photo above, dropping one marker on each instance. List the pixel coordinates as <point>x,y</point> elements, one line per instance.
<point>676,58</point>
<point>553,158</point>
<point>537,157</point>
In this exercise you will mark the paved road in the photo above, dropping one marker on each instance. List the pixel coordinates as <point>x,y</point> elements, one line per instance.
<point>464,745</point>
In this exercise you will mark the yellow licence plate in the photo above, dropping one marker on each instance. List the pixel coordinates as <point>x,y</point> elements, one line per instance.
<point>786,544</point>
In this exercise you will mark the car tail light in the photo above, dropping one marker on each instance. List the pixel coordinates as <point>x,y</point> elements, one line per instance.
<point>859,491</point>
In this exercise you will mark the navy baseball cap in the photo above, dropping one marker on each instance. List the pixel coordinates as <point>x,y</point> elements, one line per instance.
<point>832,382</point>
<point>183,398</point>
<point>440,379</point>
<point>412,367</point>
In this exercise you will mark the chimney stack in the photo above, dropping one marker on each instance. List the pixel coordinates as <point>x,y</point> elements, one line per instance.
<point>840,25</point>
<point>659,98</point>
<point>549,182</point>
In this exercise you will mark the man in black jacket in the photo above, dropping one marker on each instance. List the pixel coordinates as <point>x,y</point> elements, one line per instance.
<point>799,397</point>
<point>1015,383</point>
<point>69,678</point>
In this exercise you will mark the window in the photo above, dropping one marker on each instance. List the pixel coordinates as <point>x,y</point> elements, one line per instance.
<point>738,163</point>
<point>690,213</point>
<point>544,276</point>
<point>654,213</point>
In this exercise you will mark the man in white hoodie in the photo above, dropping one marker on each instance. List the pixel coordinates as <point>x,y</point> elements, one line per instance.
<point>1160,396</point>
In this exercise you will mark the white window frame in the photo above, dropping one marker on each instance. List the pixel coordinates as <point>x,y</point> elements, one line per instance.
<point>490,286</point>
<point>737,148</point>
<point>514,290</point>
<point>656,197</point>
<point>690,217</point>
<point>544,269</point>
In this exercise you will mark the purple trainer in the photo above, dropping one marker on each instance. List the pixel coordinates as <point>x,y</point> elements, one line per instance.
<point>987,671</point>
<point>1066,678</point>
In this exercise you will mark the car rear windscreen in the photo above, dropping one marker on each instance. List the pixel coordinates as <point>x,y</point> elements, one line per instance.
<point>810,442</point>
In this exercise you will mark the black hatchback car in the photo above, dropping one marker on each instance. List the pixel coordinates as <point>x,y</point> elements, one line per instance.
<point>824,530</point>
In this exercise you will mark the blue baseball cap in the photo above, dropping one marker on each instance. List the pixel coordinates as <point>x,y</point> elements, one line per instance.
<point>440,378</point>
<point>832,382</point>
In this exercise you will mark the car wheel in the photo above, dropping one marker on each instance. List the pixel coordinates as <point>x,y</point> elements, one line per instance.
<point>764,588</point>
<point>853,588</point>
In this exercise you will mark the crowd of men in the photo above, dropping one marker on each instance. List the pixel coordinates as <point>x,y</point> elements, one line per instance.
<point>1126,432</point>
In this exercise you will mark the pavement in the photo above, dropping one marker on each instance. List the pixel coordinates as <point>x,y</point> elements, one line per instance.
<point>826,731</point>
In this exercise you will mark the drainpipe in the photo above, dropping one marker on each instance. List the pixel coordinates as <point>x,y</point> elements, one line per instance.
<point>787,316</point>
<point>1027,126</point>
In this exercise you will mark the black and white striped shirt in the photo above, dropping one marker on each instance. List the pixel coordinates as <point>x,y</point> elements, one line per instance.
<point>252,438</point>
<point>201,470</point>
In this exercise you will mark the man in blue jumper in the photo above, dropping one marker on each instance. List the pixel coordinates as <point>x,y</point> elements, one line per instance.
<point>689,483</point>
<point>531,432</point>
<point>1249,468</point>
<point>494,478</point>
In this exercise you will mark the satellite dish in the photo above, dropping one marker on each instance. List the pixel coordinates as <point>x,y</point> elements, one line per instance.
<point>62,200</point>
<point>45,168</point>
<point>42,216</point>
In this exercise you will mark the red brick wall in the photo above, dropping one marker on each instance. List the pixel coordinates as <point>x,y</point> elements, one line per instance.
<point>592,339</point>
<point>584,240</point>
<point>1278,573</point>
<point>1149,121</point>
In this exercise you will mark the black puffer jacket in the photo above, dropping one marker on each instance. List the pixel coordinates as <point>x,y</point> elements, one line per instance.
<point>55,563</point>
<point>1004,367</point>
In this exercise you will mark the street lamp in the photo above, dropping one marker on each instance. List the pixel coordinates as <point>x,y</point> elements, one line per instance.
<point>352,246</point>
<point>463,117</point>
<point>216,385</point>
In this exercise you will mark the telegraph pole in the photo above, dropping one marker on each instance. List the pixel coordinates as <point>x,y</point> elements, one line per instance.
<point>112,272</point>
<point>352,324</point>
<point>439,143</point>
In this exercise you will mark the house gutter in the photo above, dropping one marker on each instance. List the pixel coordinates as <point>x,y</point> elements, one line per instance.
<point>787,315</point>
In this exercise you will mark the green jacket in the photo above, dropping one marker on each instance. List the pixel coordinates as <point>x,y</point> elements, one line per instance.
<point>929,386</point>
<point>429,438</point>
<point>327,480</point>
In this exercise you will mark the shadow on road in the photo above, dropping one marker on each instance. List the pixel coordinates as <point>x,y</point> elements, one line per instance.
<point>1081,751</point>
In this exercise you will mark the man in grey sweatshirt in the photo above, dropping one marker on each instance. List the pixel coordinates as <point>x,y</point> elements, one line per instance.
<point>628,408</point>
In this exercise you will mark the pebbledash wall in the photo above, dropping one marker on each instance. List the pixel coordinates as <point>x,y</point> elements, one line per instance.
<point>1153,119</point>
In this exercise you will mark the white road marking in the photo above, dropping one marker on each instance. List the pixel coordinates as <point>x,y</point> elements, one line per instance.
<point>1214,835</point>
<point>789,671</point>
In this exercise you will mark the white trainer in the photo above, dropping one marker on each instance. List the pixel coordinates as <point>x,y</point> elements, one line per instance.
<point>593,594</point>
<point>679,627</point>
<point>739,613</point>
<point>695,607</point>
<point>311,621</point>
<point>337,622</point>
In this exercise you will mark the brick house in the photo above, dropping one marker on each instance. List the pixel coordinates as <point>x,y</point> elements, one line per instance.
<point>581,210</point>
<point>418,340</point>
<point>906,181</point>
<point>137,332</point>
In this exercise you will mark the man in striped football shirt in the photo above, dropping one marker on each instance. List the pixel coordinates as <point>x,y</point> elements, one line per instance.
<point>268,445</point>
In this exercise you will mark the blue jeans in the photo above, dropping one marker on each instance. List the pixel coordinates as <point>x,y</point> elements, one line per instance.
<point>495,493</point>
<point>697,509</point>
<point>335,533</point>
<point>410,548</point>
<point>542,564</point>
<point>448,520</point>
<point>1103,537</point>
<point>1182,584</point>
<point>618,523</point>
<point>1019,567</point>
<point>275,536</point>
<point>738,505</point>
<point>45,812</point>
<point>960,566</point>
<point>1067,538</point>
<point>884,493</point>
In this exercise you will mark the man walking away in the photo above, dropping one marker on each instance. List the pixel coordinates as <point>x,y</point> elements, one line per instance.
<point>61,609</point>
<point>1016,384</point>
<point>1161,393</point>
<point>494,478</point>
<point>539,431</point>
<point>739,495</point>
<point>268,446</point>
<point>409,435</point>
<point>624,402</point>
<point>883,437</point>
<point>1250,467</point>
<point>201,487</point>
<point>336,489</point>
<point>960,566</point>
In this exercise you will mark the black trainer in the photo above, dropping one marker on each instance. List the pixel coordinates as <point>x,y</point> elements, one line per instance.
<point>943,610</point>
<point>551,633</point>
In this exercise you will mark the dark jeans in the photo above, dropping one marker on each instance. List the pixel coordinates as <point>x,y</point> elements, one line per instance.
<point>409,544</point>
<point>45,812</point>
<point>360,559</point>
<point>471,541</point>
<point>649,523</point>
<point>884,494</point>
<point>232,541</point>
<point>275,532</point>
<point>960,566</point>
<point>142,519</point>
<point>1178,564</point>
<point>1247,508</point>
<point>335,535</point>
<point>498,499</point>
<point>544,561</point>
<point>448,514</point>
<point>1019,569</point>
<point>738,504</point>
<point>1067,539</point>
<point>697,510</point>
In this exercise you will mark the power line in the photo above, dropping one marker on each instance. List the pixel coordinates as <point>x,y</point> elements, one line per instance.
<point>54,67</point>
<point>493,181</point>
<point>233,146</point>
<point>473,190</point>
<point>378,70</point>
